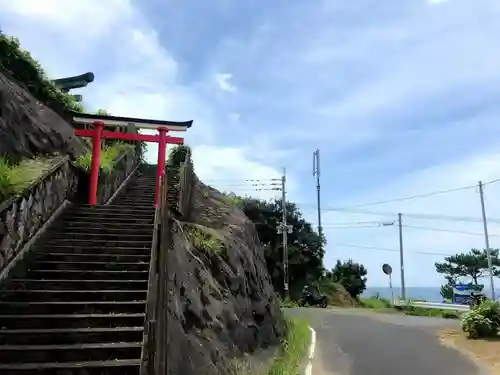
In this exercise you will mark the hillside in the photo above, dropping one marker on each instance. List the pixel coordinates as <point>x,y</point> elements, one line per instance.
<point>30,128</point>
<point>222,303</point>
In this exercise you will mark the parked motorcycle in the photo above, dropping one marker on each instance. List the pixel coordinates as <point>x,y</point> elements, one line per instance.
<point>311,300</point>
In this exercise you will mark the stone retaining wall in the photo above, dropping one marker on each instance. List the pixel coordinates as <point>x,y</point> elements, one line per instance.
<point>22,216</point>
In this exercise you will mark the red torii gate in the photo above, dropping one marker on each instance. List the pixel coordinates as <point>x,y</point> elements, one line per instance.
<point>97,132</point>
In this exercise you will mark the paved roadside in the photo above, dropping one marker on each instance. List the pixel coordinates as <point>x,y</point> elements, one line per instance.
<point>350,342</point>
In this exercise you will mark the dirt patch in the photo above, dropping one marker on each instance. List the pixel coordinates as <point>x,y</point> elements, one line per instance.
<point>484,351</point>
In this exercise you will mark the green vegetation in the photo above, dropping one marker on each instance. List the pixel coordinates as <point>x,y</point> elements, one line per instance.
<point>107,161</point>
<point>295,344</point>
<point>15,177</point>
<point>351,275</point>
<point>29,72</point>
<point>473,264</point>
<point>376,303</point>
<point>233,199</point>
<point>205,241</point>
<point>305,246</point>
<point>384,305</point>
<point>482,321</point>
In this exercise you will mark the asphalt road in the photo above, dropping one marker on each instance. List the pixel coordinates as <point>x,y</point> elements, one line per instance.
<point>353,342</point>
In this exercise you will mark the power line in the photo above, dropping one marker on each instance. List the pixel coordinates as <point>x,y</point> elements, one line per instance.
<point>416,196</point>
<point>369,224</point>
<point>419,216</point>
<point>448,230</point>
<point>388,249</point>
<point>404,198</point>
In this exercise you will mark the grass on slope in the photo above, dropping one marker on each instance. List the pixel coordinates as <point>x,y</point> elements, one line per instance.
<point>295,345</point>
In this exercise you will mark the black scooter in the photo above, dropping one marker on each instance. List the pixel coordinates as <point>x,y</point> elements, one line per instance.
<point>310,300</point>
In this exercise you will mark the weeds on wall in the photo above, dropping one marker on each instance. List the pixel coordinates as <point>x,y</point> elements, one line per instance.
<point>107,161</point>
<point>204,241</point>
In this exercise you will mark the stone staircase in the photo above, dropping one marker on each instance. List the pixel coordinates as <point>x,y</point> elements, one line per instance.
<point>77,304</point>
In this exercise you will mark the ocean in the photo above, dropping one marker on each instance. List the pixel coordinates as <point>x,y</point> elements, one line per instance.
<point>430,294</point>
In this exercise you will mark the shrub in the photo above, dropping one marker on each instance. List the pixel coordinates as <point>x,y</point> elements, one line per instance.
<point>477,325</point>
<point>491,311</point>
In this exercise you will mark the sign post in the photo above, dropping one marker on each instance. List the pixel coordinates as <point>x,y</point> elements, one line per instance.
<point>387,269</point>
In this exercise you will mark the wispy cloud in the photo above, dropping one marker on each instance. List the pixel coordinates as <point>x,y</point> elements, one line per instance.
<point>223,80</point>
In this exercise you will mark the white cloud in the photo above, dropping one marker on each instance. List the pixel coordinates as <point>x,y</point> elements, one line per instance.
<point>227,169</point>
<point>223,79</point>
<point>437,1</point>
<point>135,75</point>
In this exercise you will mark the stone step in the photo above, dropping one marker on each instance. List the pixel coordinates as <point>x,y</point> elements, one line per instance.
<point>69,352</point>
<point>94,228</point>
<point>43,321</point>
<point>70,336</point>
<point>143,188</point>
<point>87,274</point>
<point>72,307</point>
<point>135,201</point>
<point>104,237</point>
<point>61,284</point>
<point>107,220</point>
<point>112,367</point>
<point>98,242</point>
<point>111,208</point>
<point>40,295</point>
<point>96,249</point>
<point>136,212</point>
<point>93,266</point>
<point>91,257</point>
<point>138,193</point>
<point>126,225</point>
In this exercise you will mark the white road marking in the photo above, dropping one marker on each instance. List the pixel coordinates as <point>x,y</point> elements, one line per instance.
<point>312,347</point>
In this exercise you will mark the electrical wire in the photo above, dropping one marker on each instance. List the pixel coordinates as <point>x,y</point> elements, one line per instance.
<point>449,230</point>
<point>416,196</point>
<point>388,249</point>
<point>420,216</point>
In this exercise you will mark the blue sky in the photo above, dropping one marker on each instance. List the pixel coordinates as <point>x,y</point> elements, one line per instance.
<point>401,97</point>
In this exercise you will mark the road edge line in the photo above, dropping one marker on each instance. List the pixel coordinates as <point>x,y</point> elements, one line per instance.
<point>312,348</point>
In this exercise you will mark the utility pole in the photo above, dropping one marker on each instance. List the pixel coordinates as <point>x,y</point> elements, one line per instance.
<point>316,172</point>
<point>284,229</point>
<point>401,257</point>
<point>487,241</point>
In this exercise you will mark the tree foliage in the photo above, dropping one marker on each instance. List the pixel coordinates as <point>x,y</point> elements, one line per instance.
<point>473,265</point>
<point>305,246</point>
<point>351,275</point>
